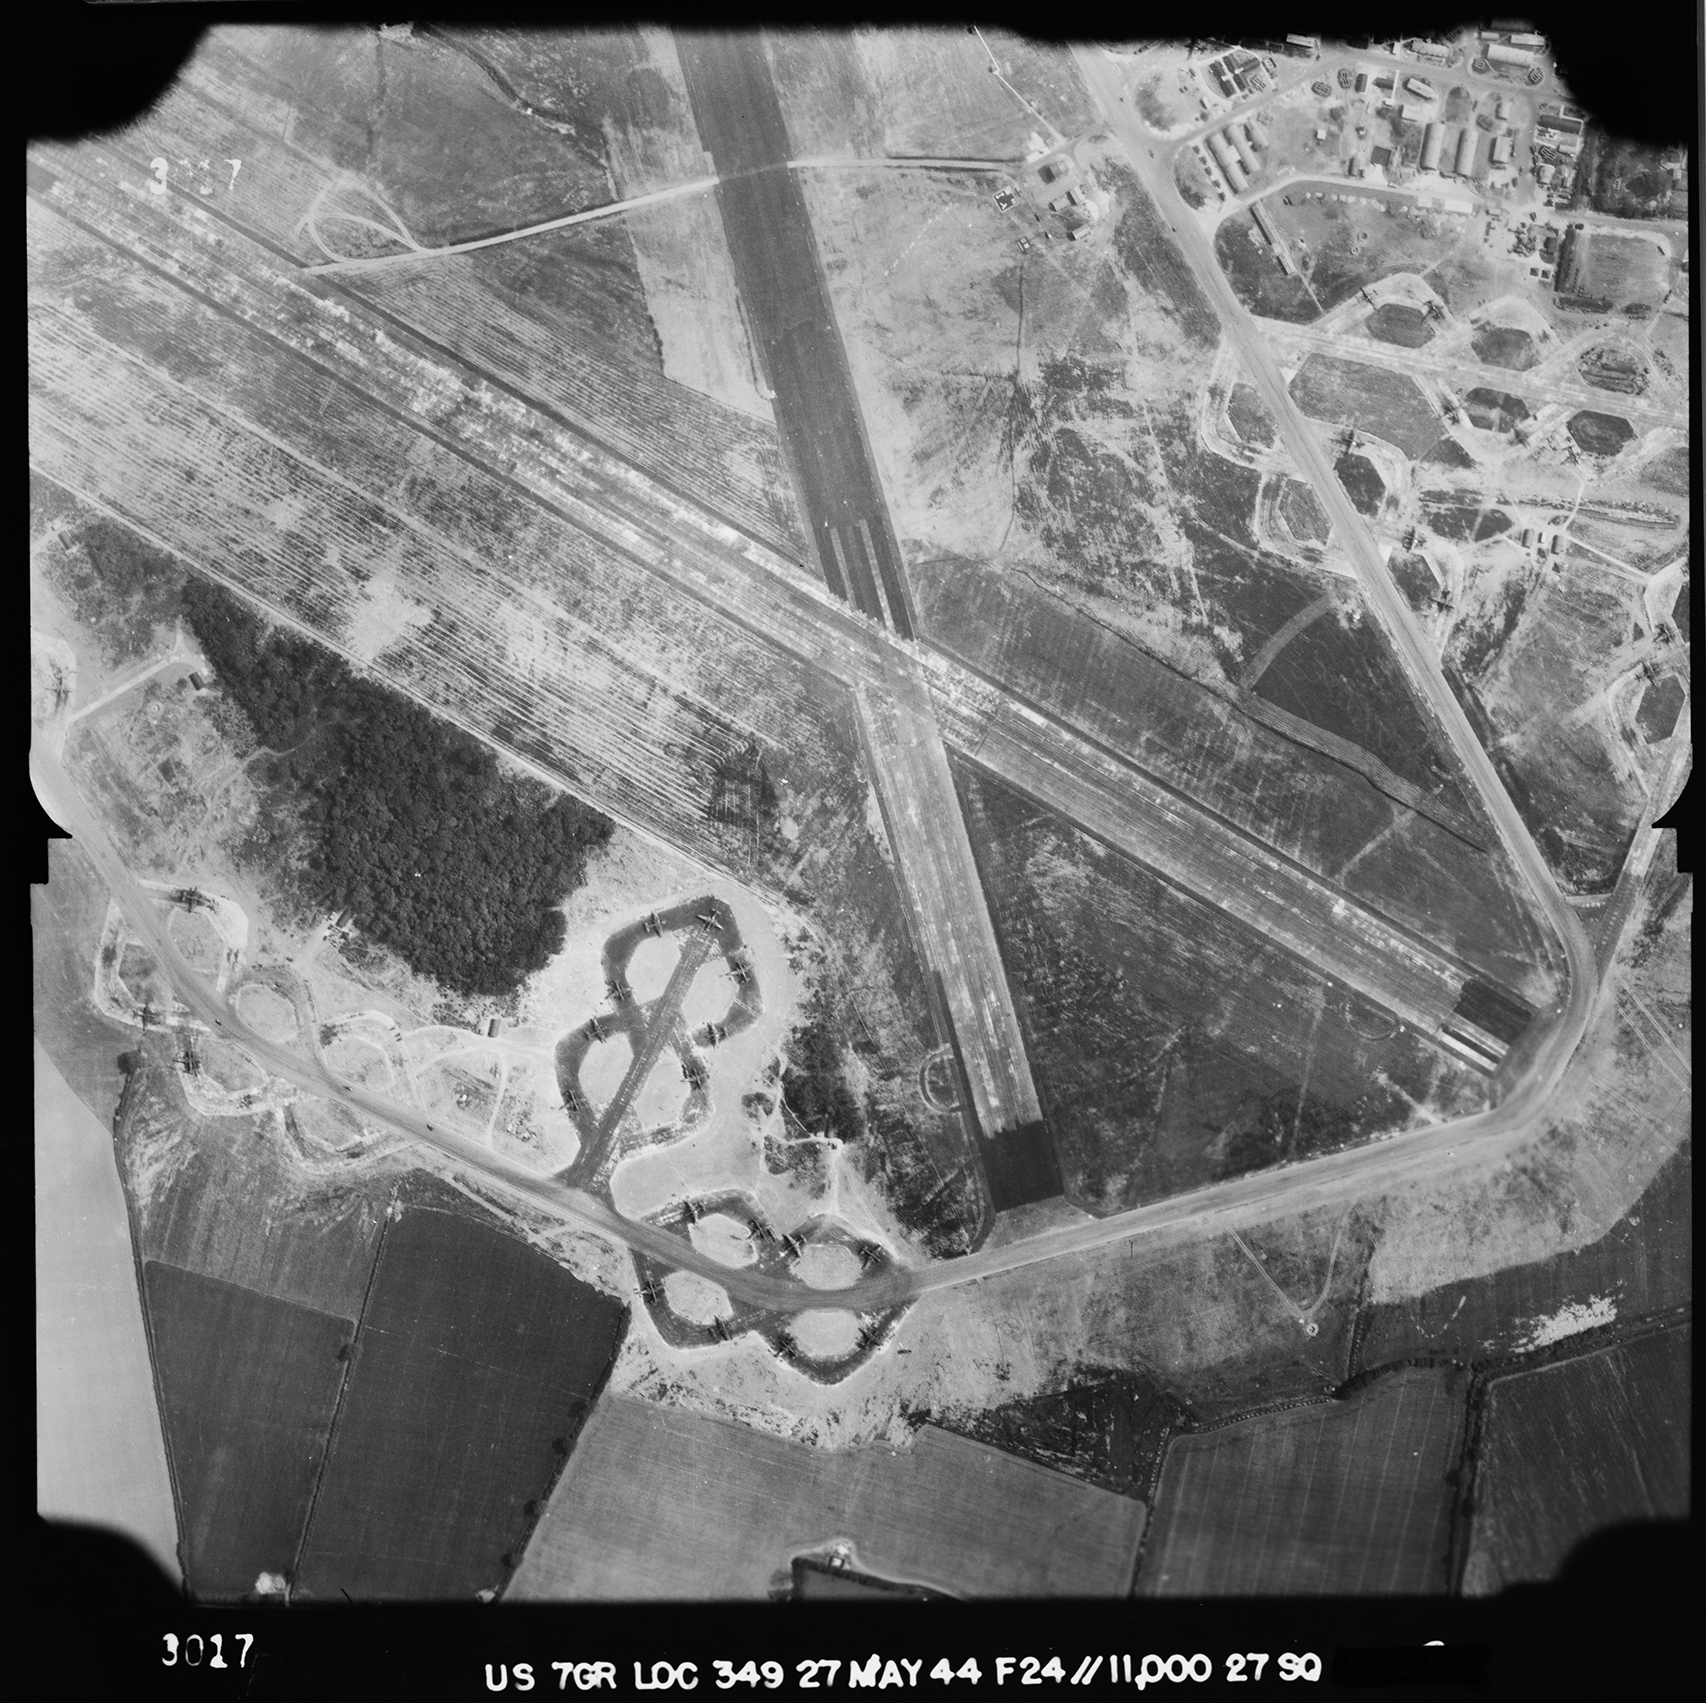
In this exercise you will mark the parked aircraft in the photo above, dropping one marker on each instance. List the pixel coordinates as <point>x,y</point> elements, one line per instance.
<point>690,1211</point>
<point>617,990</point>
<point>595,1029</point>
<point>651,1292</point>
<point>869,1254</point>
<point>715,1032</point>
<point>694,1072</point>
<point>652,925</point>
<point>711,920</point>
<point>793,1246</point>
<point>573,1100</point>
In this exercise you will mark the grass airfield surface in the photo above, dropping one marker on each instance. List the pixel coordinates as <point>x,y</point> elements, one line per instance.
<point>1041,426</point>
<point>662,1505</point>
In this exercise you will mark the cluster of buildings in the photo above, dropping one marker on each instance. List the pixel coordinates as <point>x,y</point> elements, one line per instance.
<point>1235,152</point>
<point>1238,73</point>
<point>1070,193</point>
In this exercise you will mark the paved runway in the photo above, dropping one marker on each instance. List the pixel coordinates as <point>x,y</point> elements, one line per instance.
<point>781,280</point>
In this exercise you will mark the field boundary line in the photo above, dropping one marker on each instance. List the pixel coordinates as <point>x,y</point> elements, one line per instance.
<point>122,1114</point>
<point>343,1392</point>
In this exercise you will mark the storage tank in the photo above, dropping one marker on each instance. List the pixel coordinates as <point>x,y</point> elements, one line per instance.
<point>1432,138</point>
<point>1465,152</point>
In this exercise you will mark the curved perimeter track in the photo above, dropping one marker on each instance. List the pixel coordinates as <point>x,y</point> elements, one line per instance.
<point>1152,161</point>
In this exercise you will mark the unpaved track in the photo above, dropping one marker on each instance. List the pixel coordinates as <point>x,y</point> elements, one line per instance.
<point>1339,1178</point>
<point>743,582</point>
<point>1152,161</point>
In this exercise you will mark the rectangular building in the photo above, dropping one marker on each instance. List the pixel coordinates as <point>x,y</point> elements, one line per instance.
<point>1502,146</point>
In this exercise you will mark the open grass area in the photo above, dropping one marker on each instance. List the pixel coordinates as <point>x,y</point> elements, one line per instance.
<point>1343,238</point>
<point>248,1385</point>
<point>1344,1498</point>
<point>1339,674</point>
<point>1398,322</point>
<point>1642,1266</point>
<point>1571,1448</point>
<point>475,1364</point>
<point>1385,404</point>
<point>1170,1044</point>
<point>1256,275</point>
<point>1600,434</point>
<point>1505,346</point>
<point>1494,410</point>
<point>1362,483</point>
<point>1523,660</point>
<point>657,1503</point>
<point>1250,417</point>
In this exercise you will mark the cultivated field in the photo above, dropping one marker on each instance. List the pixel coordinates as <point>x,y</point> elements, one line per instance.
<point>1334,1499</point>
<point>248,1385</point>
<point>1572,1448</point>
<point>475,1363</point>
<point>662,1504</point>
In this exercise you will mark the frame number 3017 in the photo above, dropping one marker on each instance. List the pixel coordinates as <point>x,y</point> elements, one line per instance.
<point>192,1650</point>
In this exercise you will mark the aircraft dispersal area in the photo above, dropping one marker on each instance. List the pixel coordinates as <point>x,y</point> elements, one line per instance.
<point>1225,1206</point>
<point>906,693</point>
<point>1420,663</point>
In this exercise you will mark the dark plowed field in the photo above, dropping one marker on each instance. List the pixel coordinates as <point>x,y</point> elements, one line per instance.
<point>1335,1499</point>
<point>1572,1448</point>
<point>477,1362</point>
<point>247,1390</point>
